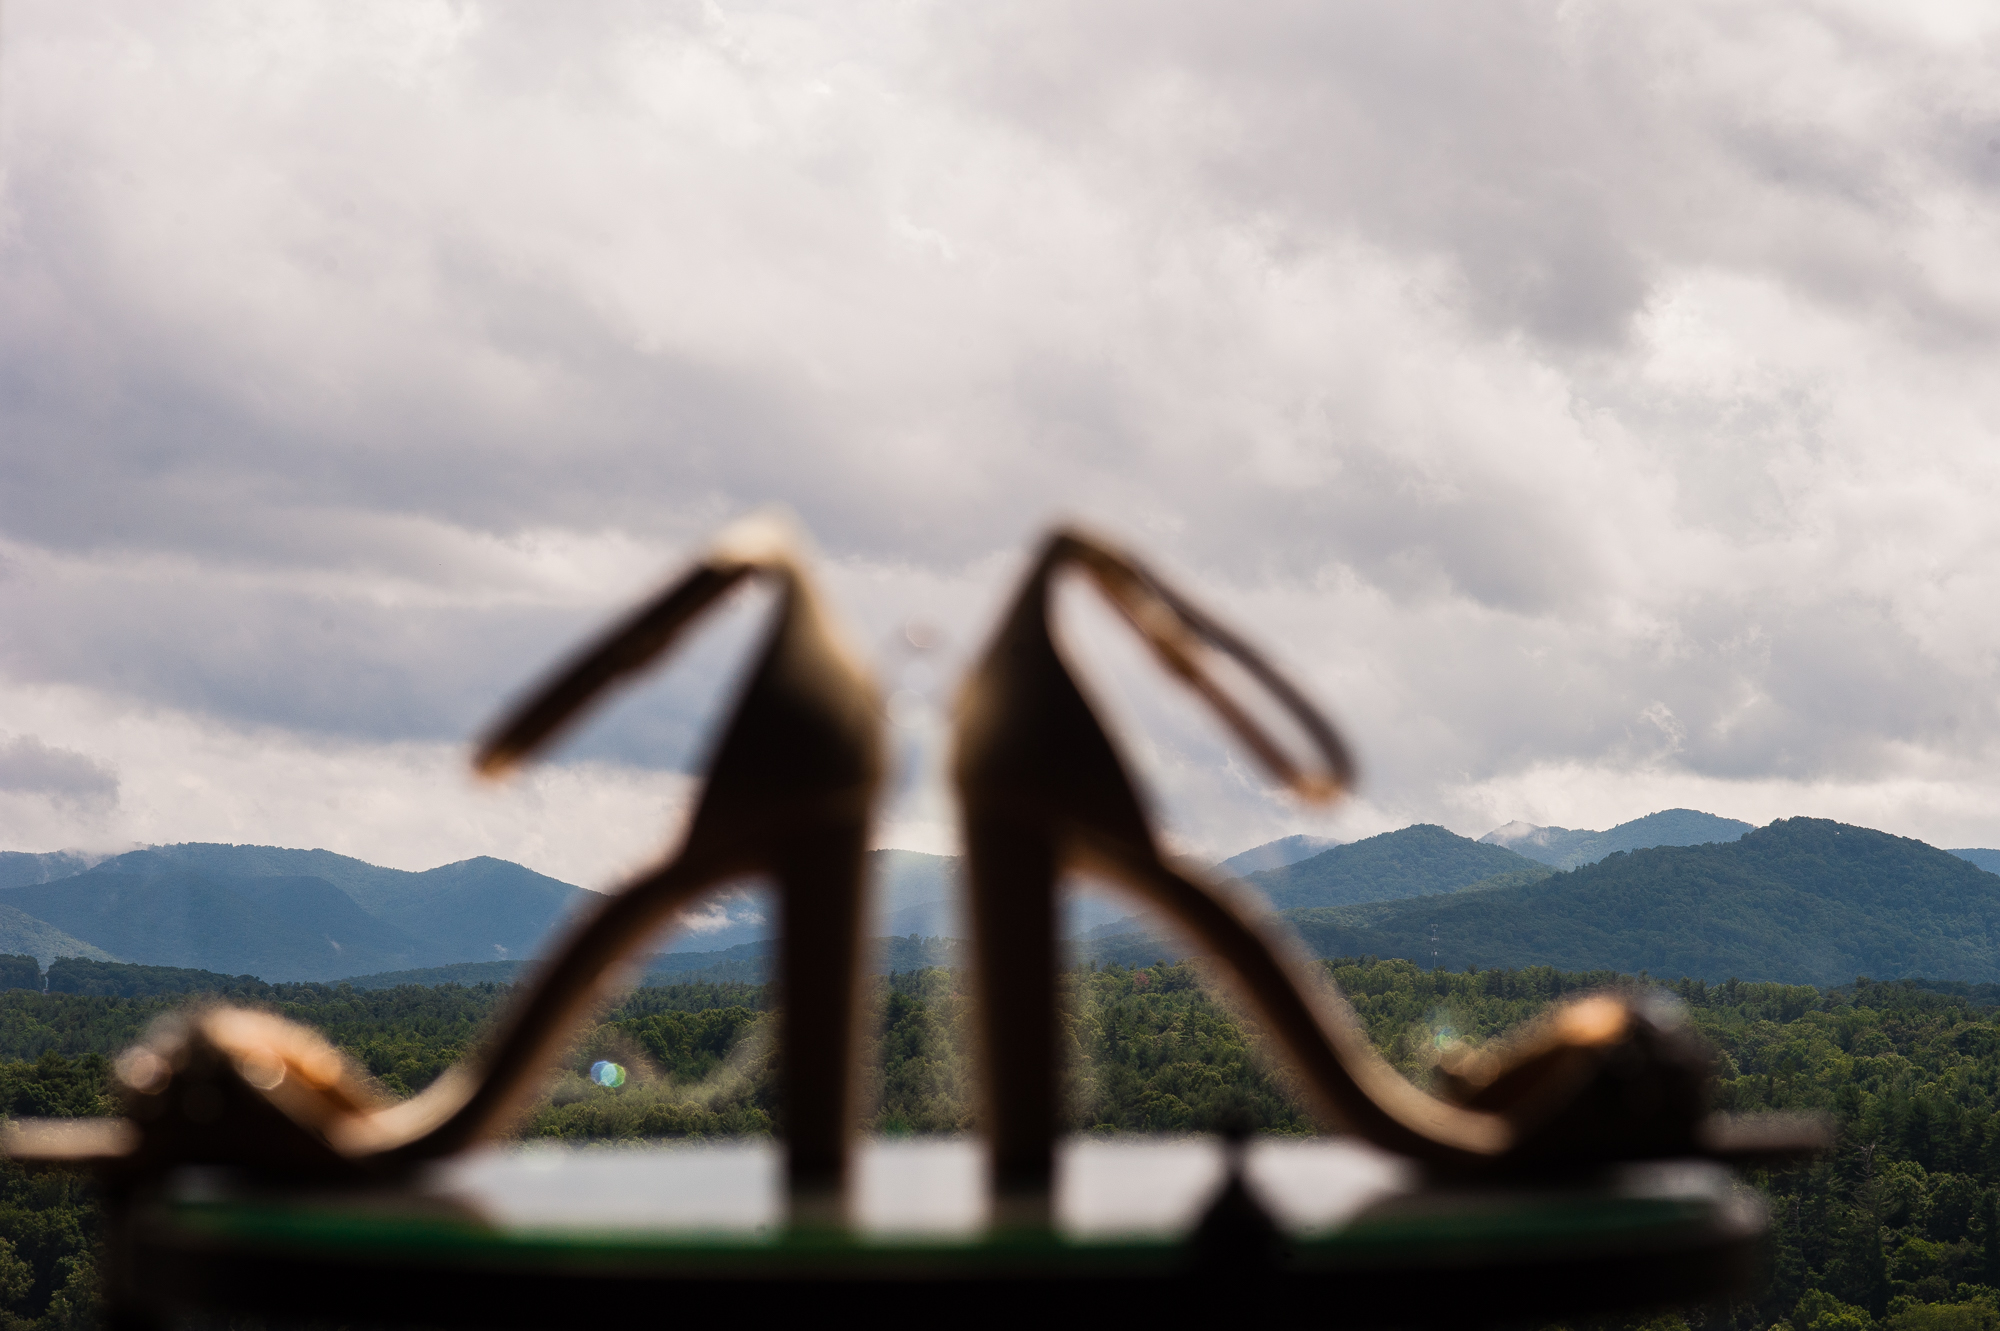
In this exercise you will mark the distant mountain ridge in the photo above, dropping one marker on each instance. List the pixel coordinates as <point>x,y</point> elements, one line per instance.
<point>481,909</point>
<point>1988,860</point>
<point>281,914</point>
<point>277,913</point>
<point>20,868</point>
<point>1420,860</point>
<point>1568,848</point>
<point>1275,854</point>
<point>272,927</point>
<point>1804,900</point>
<point>1775,904</point>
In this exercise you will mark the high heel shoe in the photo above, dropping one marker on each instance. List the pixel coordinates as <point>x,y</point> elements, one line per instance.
<point>1043,790</point>
<point>788,793</point>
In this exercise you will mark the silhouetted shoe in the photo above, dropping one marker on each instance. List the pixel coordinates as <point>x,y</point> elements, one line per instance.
<point>1044,791</point>
<point>788,794</point>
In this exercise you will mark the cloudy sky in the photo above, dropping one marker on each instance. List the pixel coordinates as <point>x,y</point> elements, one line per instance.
<point>1594,404</point>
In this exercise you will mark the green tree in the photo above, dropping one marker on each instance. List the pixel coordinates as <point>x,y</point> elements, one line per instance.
<point>1820,1311</point>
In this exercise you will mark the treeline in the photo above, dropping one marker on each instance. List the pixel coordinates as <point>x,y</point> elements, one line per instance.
<point>1896,1230</point>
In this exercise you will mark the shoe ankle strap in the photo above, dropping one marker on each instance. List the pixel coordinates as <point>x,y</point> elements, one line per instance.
<point>1182,635</point>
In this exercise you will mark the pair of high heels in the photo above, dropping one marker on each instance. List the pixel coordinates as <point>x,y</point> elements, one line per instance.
<point>788,795</point>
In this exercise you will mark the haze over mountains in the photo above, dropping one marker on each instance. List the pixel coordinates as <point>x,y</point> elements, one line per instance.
<point>1564,848</point>
<point>18,868</point>
<point>1675,892</point>
<point>1276,854</point>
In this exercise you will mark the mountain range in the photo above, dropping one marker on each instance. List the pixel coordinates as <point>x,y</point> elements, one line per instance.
<point>1417,861</point>
<point>275,913</point>
<point>21,868</point>
<point>1676,892</point>
<point>1803,900</point>
<point>1570,848</point>
<point>283,914</point>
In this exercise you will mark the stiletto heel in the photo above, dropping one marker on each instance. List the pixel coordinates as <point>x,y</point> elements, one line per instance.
<point>1014,928</point>
<point>1043,790</point>
<point>788,793</point>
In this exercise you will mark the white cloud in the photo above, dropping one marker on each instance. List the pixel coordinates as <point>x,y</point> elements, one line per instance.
<point>1591,401</point>
<point>410,805</point>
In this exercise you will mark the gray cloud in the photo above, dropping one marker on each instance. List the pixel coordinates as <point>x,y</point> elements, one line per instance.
<point>30,767</point>
<point>1561,156</point>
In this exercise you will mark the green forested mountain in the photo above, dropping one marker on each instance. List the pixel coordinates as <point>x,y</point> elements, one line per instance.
<point>280,928</point>
<point>1804,900</point>
<point>1423,860</point>
<point>20,868</point>
<point>277,913</point>
<point>23,933</point>
<point>287,914</point>
<point>1793,902</point>
<point>1570,848</point>
<point>1275,854</point>
<point>1417,861</point>
<point>294,915</point>
<point>481,909</point>
<point>369,884</point>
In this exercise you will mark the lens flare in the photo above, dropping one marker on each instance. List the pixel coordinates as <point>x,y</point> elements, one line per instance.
<point>606,1073</point>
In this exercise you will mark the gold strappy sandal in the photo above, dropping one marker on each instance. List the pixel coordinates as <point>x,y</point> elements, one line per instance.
<point>788,794</point>
<point>1043,791</point>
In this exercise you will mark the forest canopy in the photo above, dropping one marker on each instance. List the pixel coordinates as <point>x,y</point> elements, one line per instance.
<point>1895,1230</point>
